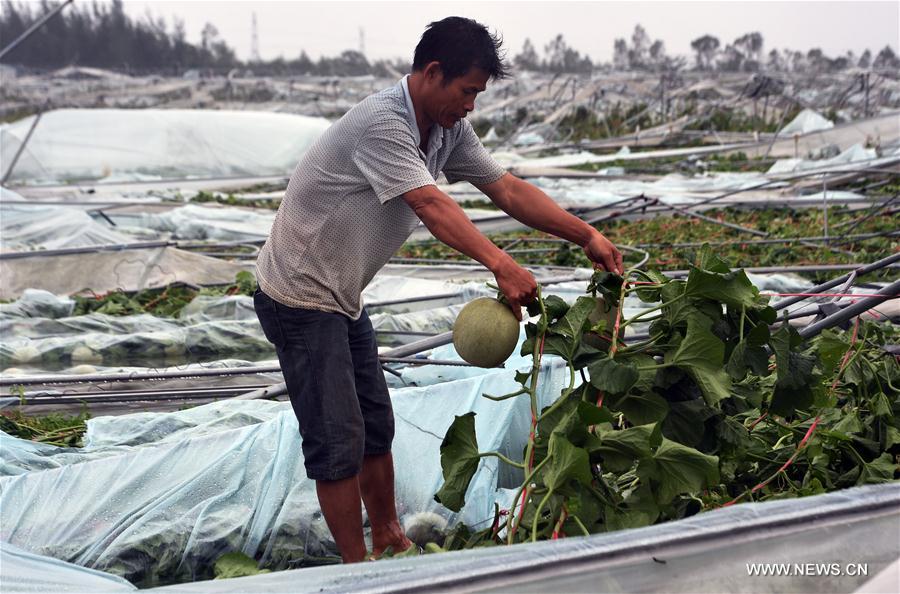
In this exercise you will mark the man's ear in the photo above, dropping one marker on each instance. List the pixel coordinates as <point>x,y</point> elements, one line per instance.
<point>432,72</point>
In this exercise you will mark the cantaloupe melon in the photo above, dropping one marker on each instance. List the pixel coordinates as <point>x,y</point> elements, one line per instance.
<point>485,332</point>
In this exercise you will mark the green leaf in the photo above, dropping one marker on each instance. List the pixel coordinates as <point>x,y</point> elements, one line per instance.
<point>744,357</point>
<point>619,449</point>
<point>555,307</point>
<point>708,260</point>
<point>733,288</point>
<point>881,406</point>
<point>572,325</point>
<point>459,461</point>
<point>891,437</point>
<point>640,408</point>
<point>849,424</point>
<point>593,415</point>
<point>677,469</point>
<point>700,354</point>
<point>786,400</point>
<point>567,462</point>
<point>639,509</point>
<point>612,377</point>
<point>608,285</point>
<point>555,344</point>
<point>758,335</point>
<point>733,433</point>
<point>686,421</point>
<point>794,370</point>
<point>232,565</point>
<point>652,295</point>
<point>831,350</point>
<point>879,470</point>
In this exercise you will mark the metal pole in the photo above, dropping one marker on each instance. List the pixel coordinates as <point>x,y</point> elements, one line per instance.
<point>877,265</point>
<point>825,208</point>
<point>19,152</point>
<point>32,29</point>
<point>888,292</point>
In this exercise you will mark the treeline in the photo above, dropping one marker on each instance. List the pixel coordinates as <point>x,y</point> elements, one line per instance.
<point>103,36</point>
<point>745,54</point>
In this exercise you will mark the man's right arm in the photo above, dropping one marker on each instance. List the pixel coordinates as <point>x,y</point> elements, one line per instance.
<point>450,225</point>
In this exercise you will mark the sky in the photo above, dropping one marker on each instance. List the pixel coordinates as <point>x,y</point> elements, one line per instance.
<point>392,29</point>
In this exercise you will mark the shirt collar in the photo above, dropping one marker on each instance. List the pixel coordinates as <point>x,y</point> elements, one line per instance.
<point>435,139</point>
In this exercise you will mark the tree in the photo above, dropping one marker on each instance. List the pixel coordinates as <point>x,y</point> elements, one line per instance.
<point>620,54</point>
<point>750,45</point>
<point>528,58</point>
<point>865,60</point>
<point>208,36</point>
<point>817,59</point>
<point>886,58</point>
<point>658,52</point>
<point>775,63</point>
<point>705,47</point>
<point>640,47</point>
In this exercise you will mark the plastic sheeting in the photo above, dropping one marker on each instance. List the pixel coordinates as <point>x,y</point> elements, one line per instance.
<point>197,222</point>
<point>170,346</point>
<point>129,144</point>
<point>805,122</point>
<point>26,572</point>
<point>132,270</point>
<point>28,228</point>
<point>163,510</point>
<point>709,552</point>
<point>673,188</point>
<point>855,154</point>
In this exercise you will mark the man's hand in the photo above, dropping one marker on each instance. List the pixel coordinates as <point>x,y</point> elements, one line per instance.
<point>530,205</point>
<point>516,284</point>
<point>604,254</point>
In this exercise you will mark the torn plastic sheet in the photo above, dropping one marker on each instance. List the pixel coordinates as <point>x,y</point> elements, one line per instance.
<point>673,188</point>
<point>25,228</point>
<point>805,122</point>
<point>100,144</point>
<point>164,511</point>
<point>202,222</point>
<point>855,156</point>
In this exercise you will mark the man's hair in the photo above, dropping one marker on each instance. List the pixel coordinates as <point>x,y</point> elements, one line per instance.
<point>459,44</point>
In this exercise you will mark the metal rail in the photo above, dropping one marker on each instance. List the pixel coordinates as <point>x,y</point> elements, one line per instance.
<point>889,292</point>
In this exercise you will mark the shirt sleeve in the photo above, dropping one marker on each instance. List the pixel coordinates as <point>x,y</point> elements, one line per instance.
<point>388,158</point>
<point>470,161</point>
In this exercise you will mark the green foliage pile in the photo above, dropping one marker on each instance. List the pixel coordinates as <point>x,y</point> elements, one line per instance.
<point>167,302</point>
<point>235,200</point>
<point>721,404</point>
<point>54,429</point>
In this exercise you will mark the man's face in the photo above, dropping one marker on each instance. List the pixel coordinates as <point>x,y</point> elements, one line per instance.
<point>452,100</point>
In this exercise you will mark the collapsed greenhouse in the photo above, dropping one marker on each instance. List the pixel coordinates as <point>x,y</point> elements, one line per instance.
<point>747,411</point>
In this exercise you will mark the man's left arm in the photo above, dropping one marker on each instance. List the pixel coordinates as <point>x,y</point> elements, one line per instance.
<point>531,206</point>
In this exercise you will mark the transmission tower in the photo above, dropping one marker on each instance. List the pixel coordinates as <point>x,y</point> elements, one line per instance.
<point>254,43</point>
<point>362,41</point>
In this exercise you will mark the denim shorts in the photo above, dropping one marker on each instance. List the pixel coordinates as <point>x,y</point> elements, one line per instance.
<point>335,383</point>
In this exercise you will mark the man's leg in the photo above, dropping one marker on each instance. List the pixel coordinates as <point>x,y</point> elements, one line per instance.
<point>376,480</point>
<point>339,501</point>
<point>315,358</point>
<point>376,484</point>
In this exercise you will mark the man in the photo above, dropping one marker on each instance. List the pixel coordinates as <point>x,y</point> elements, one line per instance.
<point>351,203</point>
